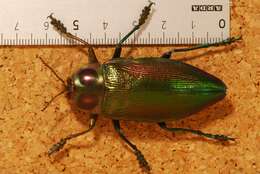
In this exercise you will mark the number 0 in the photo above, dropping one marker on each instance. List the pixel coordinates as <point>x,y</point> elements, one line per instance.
<point>222,23</point>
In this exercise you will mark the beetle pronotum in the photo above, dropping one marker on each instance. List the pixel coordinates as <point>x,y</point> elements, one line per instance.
<point>148,89</point>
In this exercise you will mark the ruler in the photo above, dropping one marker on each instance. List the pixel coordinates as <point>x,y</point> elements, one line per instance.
<point>103,22</point>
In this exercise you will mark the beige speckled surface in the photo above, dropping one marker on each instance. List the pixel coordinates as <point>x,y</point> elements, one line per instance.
<point>26,133</point>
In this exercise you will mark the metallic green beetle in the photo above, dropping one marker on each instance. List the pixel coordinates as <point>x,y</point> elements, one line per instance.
<point>148,89</point>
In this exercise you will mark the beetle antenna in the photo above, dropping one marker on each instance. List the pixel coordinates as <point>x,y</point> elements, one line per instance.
<point>59,26</point>
<point>53,98</point>
<point>63,82</point>
<point>52,70</point>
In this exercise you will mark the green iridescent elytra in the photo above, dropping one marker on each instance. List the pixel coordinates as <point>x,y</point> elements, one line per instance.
<point>150,89</point>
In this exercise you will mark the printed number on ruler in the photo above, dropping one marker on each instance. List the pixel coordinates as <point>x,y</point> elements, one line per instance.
<point>24,22</point>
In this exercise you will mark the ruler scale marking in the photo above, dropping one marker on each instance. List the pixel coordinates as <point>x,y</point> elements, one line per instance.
<point>182,18</point>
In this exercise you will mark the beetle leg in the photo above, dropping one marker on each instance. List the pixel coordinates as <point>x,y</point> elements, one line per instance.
<point>144,15</point>
<point>58,146</point>
<point>59,26</point>
<point>197,132</point>
<point>224,42</point>
<point>140,157</point>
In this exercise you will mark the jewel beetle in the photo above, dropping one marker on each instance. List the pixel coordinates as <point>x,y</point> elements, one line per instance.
<point>146,89</point>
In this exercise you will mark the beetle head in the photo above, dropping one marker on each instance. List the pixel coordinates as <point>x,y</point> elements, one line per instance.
<point>85,87</point>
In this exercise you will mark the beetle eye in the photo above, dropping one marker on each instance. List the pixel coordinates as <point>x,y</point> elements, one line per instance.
<point>88,77</point>
<point>87,101</point>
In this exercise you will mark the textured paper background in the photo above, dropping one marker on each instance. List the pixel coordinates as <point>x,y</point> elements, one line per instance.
<point>26,133</point>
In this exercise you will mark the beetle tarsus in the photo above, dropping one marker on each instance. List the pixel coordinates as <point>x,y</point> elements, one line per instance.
<point>57,24</point>
<point>142,161</point>
<point>223,138</point>
<point>197,132</point>
<point>230,40</point>
<point>218,137</point>
<point>145,13</point>
<point>140,157</point>
<point>50,16</point>
<point>207,45</point>
<point>57,147</point>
